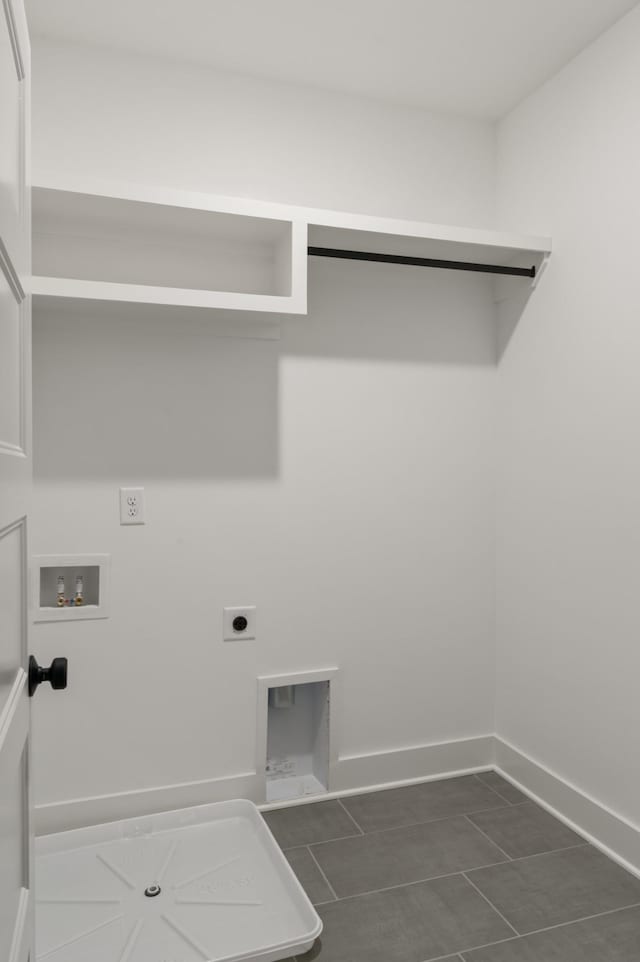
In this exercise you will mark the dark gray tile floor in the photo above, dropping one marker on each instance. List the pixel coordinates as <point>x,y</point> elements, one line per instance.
<point>463,870</point>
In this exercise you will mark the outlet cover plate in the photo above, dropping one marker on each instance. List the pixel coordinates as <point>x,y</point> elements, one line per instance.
<point>229,633</point>
<point>131,505</point>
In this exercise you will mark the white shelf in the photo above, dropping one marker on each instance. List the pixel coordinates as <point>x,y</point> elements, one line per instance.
<point>69,288</point>
<point>116,245</point>
<point>137,245</point>
<point>432,242</point>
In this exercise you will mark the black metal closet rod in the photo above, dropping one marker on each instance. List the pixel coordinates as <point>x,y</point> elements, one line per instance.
<point>420,261</point>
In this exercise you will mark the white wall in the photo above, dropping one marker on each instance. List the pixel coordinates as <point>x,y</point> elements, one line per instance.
<point>174,124</point>
<point>569,397</point>
<point>341,479</point>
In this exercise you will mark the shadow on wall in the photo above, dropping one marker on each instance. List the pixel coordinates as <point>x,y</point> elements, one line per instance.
<point>389,312</point>
<point>131,396</point>
<point>138,395</point>
<point>509,313</point>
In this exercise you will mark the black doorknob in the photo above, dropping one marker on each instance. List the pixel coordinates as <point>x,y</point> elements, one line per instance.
<point>55,674</point>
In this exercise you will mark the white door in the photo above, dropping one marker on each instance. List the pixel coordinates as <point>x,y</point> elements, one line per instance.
<point>16,905</point>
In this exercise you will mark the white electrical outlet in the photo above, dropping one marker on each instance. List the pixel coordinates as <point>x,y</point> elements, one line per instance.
<point>131,505</point>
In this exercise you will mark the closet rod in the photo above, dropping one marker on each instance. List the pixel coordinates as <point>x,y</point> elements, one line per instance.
<point>420,261</point>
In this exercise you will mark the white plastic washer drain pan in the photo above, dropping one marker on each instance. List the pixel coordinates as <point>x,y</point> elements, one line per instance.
<point>226,891</point>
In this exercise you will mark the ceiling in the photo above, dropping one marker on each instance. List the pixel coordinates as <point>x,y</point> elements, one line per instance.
<point>473,57</point>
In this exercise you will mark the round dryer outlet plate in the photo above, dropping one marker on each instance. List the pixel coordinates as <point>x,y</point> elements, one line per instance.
<point>239,623</point>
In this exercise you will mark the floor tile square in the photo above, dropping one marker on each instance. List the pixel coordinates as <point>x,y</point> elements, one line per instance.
<point>309,875</point>
<point>525,829</point>
<point>414,923</point>
<point>303,824</point>
<point>606,938</point>
<point>545,890</point>
<point>395,807</point>
<point>397,856</point>
<point>397,893</point>
<point>502,787</point>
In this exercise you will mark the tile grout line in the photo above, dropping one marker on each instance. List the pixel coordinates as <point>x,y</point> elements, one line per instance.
<point>525,801</point>
<point>490,903</point>
<point>380,831</point>
<point>397,828</point>
<point>429,821</point>
<point>393,828</point>
<point>584,918</point>
<point>548,928</point>
<point>471,868</point>
<point>444,958</point>
<point>401,885</point>
<point>345,809</point>
<point>495,790</point>
<point>461,955</point>
<point>320,869</point>
<point>488,838</point>
<point>437,878</point>
<point>324,841</point>
<point>489,945</point>
<point>516,936</point>
<point>521,858</point>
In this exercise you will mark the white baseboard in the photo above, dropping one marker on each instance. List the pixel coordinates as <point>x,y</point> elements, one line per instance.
<point>415,763</point>
<point>351,774</point>
<point>80,812</point>
<point>613,834</point>
<point>379,771</point>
